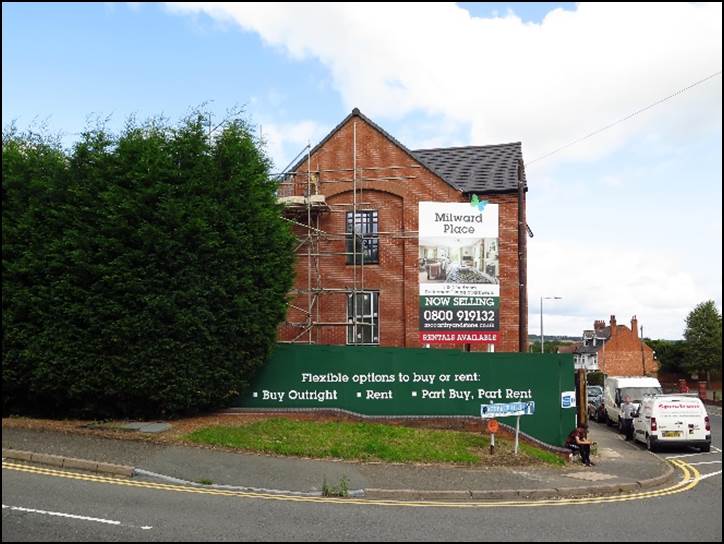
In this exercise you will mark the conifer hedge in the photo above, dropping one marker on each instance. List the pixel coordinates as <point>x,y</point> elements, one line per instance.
<point>144,274</point>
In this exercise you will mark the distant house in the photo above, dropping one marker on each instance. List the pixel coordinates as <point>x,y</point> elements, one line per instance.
<point>615,350</point>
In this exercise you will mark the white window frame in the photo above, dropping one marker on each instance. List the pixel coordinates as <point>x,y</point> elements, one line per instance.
<point>362,318</point>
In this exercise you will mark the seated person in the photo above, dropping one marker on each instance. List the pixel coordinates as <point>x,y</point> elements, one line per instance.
<point>578,441</point>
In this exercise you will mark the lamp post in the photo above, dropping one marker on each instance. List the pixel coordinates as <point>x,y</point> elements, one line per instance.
<point>542,341</point>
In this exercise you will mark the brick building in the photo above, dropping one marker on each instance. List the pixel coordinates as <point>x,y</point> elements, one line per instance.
<point>360,179</point>
<point>615,350</point>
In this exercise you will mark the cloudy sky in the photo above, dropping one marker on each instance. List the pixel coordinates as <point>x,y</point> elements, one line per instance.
<point>628,221</point>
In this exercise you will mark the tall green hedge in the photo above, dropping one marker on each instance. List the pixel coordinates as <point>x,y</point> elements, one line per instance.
<point>144,274</point>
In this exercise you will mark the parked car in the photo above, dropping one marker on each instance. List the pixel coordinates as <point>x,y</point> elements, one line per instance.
<point>594,391</point>
<point>616,388</point>
<point>594,396</point>
<point>596,409</point>
<point>677,420</point>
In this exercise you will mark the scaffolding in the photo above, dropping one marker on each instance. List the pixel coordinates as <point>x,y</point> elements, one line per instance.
<point>300,191</point>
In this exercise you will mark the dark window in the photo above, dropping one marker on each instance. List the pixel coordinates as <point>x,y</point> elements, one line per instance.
<point>366,328</point>
<point>362,238</point>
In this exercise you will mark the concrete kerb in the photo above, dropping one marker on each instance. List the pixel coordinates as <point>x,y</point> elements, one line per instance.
<point>658,480</point>
<point>178,481</point>
<point>499,494</point>
<point>127,471</point>
<point>68,462</point>
<point>369,493</point>
<point>512,494</point>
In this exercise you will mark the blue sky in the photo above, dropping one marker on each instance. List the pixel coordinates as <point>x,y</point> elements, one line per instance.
<point>627,222</point>
<point>63,62</point>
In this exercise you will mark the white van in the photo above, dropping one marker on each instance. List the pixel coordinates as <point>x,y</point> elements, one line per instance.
<point>615,388</point>
<point>677,420</point>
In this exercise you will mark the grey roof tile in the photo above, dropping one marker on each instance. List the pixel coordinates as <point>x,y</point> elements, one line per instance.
<point>472,169</point>
<point>476,169</point>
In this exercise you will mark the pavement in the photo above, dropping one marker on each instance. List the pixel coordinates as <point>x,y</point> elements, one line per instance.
<point>619,467</point>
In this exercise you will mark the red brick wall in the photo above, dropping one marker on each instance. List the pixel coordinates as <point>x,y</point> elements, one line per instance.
<point>396,275</point>
<point>622,355</point>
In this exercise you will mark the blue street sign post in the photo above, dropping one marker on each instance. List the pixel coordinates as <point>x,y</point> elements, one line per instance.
<point>508,409</point>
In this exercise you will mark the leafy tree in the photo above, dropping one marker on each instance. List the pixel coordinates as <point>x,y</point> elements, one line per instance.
<point>670,354</point>
<point>703,339</point>
<point>595,378</point>
<point>549,346</point>
<point>144,274</point>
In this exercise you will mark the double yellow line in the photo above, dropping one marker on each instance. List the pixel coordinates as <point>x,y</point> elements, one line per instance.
<point>690,478</point>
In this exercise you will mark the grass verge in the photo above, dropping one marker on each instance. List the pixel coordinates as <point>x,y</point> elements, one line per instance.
<point>367,442</point>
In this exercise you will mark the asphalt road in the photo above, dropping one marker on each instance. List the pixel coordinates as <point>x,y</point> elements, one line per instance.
<point>33,503</point>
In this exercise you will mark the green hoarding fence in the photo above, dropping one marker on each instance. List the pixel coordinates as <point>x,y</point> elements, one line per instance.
<point>400,382</point>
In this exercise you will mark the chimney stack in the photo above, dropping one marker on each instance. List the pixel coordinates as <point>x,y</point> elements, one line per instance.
<point>635,326</point>
<point>599,325</point>
<point>613,326</point>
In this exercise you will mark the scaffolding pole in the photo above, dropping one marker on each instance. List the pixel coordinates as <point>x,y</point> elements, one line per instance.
<point>306,215</point>
<point>354,231</point>
<point>320,170</point>
<point>309,235</point>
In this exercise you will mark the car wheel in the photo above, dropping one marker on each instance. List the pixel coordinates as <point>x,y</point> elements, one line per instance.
<point>706,449</point>
<point>650,445</point>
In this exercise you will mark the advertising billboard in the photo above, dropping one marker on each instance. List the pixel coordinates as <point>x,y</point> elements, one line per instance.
<point>407,382</point>
<point>459,273</point>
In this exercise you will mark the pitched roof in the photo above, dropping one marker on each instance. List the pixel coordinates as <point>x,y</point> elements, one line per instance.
<point>588,349</point>
<point>477,169</point>
<point>472,169</point>
<point>569,348</point>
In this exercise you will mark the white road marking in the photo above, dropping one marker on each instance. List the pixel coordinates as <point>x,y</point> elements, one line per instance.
<point>72,516</point>
<point>688,455</point>
<point>691,478</point>
<point>706,463</point>
<point>705,476</point>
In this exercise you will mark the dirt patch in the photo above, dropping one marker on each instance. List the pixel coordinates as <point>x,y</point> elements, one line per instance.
<point>111,428</point>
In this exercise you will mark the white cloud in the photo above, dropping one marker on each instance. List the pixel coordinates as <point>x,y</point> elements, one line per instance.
<point>544,84</point>
<point>599,280</point>
<point>500,79</point>
<point>285,140</point>
<point>612,181</point>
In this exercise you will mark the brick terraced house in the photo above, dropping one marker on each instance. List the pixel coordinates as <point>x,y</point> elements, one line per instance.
<point>615,350</point>
<point>353,202</point>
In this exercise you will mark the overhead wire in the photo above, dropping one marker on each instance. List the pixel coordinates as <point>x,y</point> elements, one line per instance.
<point>634,114</point>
